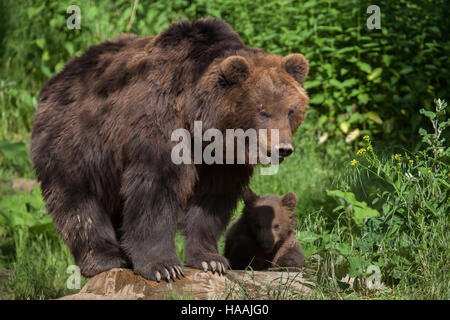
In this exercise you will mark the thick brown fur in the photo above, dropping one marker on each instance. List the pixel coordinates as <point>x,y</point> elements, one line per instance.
<point>101,142</point>
<point>263,236</point>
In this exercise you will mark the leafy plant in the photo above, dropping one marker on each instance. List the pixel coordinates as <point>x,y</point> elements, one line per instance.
<point>357,75</point>
<point>25,210</point>
<point>15,157</point>
<point>356,210</point>
<point>414,203</point>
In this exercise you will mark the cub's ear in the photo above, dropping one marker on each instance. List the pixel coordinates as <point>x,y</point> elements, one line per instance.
<point>234,70</point>
<point>249,197</point>
<point>289,200</point>
<point>297,66</point>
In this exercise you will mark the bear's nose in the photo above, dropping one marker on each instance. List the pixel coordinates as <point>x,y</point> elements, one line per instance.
<point>285,149</point>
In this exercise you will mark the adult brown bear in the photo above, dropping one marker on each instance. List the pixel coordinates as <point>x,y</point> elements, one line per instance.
<point>101,143</point>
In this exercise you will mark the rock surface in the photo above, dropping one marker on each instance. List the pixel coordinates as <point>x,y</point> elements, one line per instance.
<point>124,284</point>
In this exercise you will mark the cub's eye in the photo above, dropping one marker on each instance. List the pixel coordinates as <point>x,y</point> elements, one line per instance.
<point>264,114</point>
<point>291,112</point>
<point>276,227</point>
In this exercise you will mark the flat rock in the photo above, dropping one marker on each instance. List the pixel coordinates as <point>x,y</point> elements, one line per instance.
<point>123,284</point>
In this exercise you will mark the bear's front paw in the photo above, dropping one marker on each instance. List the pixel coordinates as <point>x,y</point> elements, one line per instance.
<point>165,269</point>
<point>208,262</point>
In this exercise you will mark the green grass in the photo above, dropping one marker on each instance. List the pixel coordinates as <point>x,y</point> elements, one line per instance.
<point>39,268</point>
<point>39,259</point>
<point>30,248</point>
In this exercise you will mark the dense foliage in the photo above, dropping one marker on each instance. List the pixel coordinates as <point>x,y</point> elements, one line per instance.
<point>360,79</point>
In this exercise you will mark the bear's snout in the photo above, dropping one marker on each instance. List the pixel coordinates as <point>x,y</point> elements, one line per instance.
<point>284,149</point>
<point>266,241</point>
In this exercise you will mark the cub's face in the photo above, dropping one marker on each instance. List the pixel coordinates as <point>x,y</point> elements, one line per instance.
<point>270,218</point>
<point>267,94</point>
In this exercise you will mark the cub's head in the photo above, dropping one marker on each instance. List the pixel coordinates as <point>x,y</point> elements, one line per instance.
<point>264,91</point>
<point>270,218</point>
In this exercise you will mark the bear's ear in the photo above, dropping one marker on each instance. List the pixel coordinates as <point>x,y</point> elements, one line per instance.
<point>234,70</point>
<point>289,200</point>
<point>249,197</point>
<point>297,66</point>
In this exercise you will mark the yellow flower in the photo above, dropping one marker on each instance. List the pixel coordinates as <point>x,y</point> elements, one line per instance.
<point>361,151</point>
<point>366,137</point>
<point>369,148</point>
<point>353,162</point>
<point>411,161</point>
<point>429,170</point>
<point>397,156</point>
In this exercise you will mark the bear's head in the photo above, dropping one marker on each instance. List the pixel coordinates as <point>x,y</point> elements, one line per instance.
<point>270,218</point>
<point>259,90</point>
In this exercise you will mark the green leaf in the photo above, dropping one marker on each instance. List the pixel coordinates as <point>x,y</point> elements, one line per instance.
<point>363,98</point>
<point>13,151</point>
<point>356,266</point>
<point>360,209</point>
<point>40,43</point>
<point>312,84</point>
<point>317,99</point>
<point>429,114</point>
<point>45,56</point>
<point>69,48</point>
<point>422,132</point>
<point>59,66</point>
<point>365,67</point>
<point>349,82</point>
<point>343,248</point>
<point>363,211</point>
<point>308,236</point>
<point>406,70</point>
<point>375,74</point>
<point>46,71</point>
<point>372,115</point>
<point>336,83</point>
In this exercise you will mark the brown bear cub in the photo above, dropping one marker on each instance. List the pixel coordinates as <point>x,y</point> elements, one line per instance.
<point>264,236</point>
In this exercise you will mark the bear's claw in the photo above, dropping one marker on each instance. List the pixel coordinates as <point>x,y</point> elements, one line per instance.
<point>180,270</point>
<point>207,261</point>
<point>214,266</point>
<point>170,273</point>
<point>167,270</point>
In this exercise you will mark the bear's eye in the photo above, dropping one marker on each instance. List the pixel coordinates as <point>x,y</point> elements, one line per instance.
<point>264,114</point>
<point>276,227</point>
<point>291,112</point>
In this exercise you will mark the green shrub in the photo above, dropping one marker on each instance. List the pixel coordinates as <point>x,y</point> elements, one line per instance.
<point>407,237</point>
<point>30,248</point>
<point>361,81</point>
